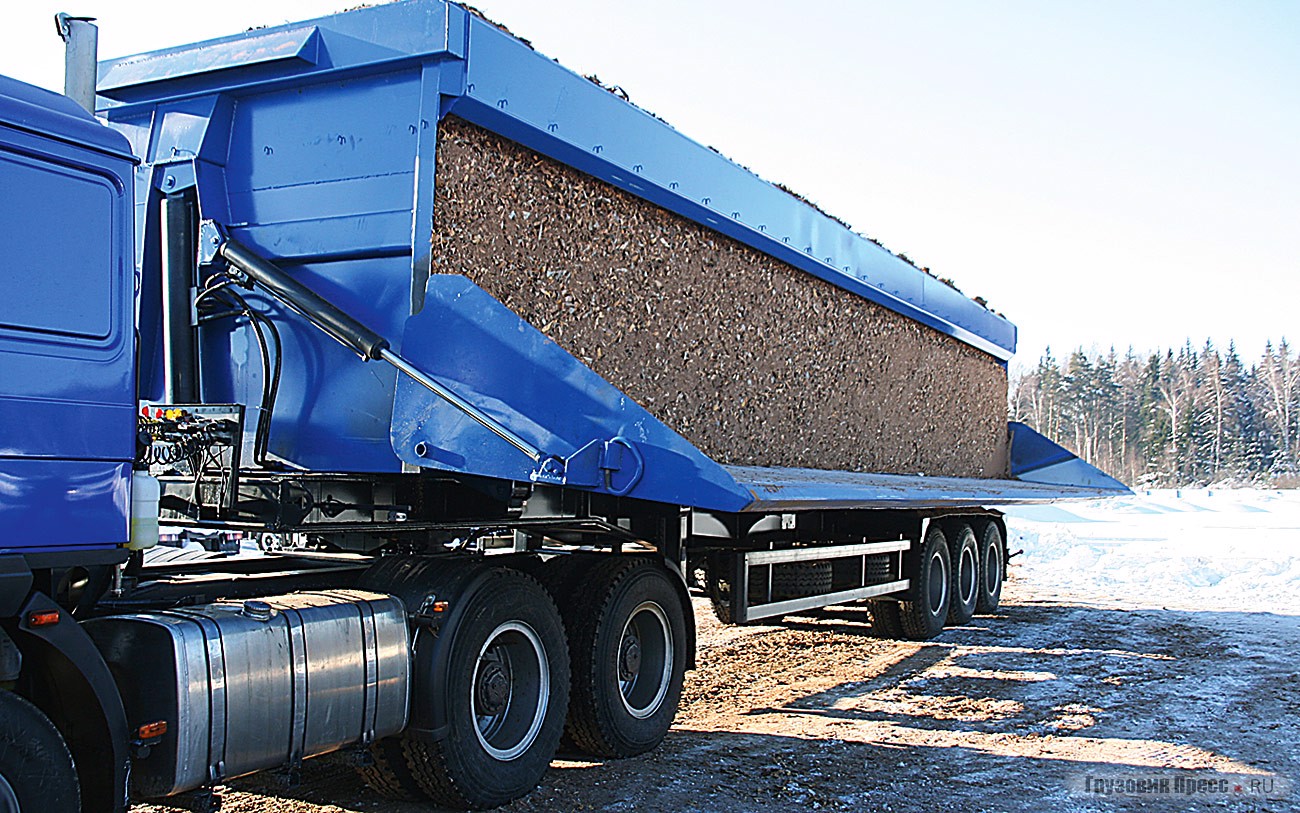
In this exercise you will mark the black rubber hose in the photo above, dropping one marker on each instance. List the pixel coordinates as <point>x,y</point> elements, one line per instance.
<point>320,311</point>
<point>271,360</point>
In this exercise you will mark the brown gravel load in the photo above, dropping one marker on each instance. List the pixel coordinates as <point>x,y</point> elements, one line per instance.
<point>754,361</point>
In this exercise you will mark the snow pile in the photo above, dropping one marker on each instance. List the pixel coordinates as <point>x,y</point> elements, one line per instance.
<point>1230,550</point>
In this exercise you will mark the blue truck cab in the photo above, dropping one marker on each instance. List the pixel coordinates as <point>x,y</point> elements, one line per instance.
<point>67,440</point>
<point>67,337</point>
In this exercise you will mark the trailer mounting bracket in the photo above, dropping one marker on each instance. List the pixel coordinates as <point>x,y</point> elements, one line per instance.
<point>613,465</point>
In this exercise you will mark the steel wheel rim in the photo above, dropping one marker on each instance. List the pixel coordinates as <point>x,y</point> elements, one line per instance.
<point>644,687</point>
<point>8,798</point>
<point>510,690</point>
<point>938,583</point>
<point>966,575</point>
<point>993,573</point>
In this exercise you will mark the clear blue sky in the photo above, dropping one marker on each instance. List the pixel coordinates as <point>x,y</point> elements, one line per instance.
<point>1103,172</point>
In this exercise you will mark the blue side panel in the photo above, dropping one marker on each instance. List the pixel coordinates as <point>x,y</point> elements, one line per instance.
<point>504,366</point>
<point>1037,459</point>
<point>333,411</point>
<point>323,180</point>
<point>326,170</point>
<point>67,383</point>
<point>62,505</point>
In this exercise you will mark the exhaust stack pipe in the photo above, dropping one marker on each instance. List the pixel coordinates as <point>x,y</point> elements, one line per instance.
<point>80,61</point>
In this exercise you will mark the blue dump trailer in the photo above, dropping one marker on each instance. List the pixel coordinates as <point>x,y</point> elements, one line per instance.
<point>294,458</point>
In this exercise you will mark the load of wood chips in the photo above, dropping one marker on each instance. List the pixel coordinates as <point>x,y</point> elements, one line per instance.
<point>754,361</point>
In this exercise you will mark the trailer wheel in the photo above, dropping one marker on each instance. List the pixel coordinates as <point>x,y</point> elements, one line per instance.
<point>886,619</point>
<point>628,644</point>
<point>924,612</point>
<point>992,570</point>
<point>963,550</point>
<point>36,769</point>
<point>507,691</point>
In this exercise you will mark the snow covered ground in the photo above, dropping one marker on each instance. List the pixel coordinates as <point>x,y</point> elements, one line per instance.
<point>1203,549</point>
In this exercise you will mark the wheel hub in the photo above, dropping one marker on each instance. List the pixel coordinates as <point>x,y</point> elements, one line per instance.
<point>629,659</point>
<point>493,689</point>
<point>510,691</point>
<point>645,660</point>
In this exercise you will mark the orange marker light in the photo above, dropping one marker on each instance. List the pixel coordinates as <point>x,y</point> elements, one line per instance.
<point>150,731</point>
<point>440,606</point>
<point>43,619</point>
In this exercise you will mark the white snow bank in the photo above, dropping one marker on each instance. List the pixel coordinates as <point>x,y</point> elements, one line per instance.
<point>1202,549</point>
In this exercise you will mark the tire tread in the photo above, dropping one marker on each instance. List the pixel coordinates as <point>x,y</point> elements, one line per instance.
<point>957,614</point>
<point>31,734</point>
<point>886,618</point>
<point>388,773</point>
<point>586,609</point>
<point>914,614</point>
<point>986,604</point>
<point>586,727</point>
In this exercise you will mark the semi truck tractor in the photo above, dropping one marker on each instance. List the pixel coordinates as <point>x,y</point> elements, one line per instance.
<point>376,384</point>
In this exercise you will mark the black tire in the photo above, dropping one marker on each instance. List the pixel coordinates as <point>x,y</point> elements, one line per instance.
<point>388,775</point>
<point>992,570</point>
<point>36,768</point>
<point>886,618</point>
<point>627,642</point>
<point>799,579</point>
<point>928,567</point>
<point>963,551</point>
<point>507,693</point>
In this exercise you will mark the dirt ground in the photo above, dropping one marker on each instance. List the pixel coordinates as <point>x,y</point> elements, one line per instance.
<point>1028,710</point>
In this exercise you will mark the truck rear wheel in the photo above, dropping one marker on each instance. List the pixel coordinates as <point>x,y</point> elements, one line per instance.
<point>926,609</point>
<point>628,645</point>
<point>992,570</point>
<point>507,691</point>
<point>36,769</point>
<point>963,550</point>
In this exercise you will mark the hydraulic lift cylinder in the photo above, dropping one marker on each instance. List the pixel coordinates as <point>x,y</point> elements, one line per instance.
<point>179,260</point>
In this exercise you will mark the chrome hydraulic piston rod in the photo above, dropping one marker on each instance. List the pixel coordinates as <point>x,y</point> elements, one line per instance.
<point>354,335</point>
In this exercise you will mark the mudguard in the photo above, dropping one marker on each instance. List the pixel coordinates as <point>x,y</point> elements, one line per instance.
<point>420,581</point>
<point>68,679</point>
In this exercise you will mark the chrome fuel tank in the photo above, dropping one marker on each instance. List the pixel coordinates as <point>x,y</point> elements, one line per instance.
<point>249,685</point>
